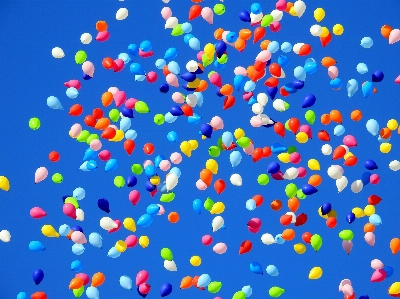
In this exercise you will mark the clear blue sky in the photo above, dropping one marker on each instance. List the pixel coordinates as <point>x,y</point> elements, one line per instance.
<point>29,74</point>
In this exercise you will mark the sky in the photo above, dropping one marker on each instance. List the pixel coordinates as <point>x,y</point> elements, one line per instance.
<point>29,74</point>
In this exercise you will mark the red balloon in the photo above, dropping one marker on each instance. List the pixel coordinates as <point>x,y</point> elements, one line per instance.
<point>148,148</point>
<point>279,128</point>
<point>187,110</point>
<point>259,66</point>
<point>374,199</point>
<point>39,295</point>
<point>285,220</point>
<point>294,124</point>
<point>339,152</point>
<point>350,297</point>
<point>271,82</point>
<point>97,113</point>
<point>275,70</point>
<point>75,110</point>
<point>90,121</point>
<point>301,219</point>
<point>108,63</point>
<point>229,102</point>
<point>267,152</point>
<point>129,146</point>
<point>195,12</point>
<point>305,50</point>
<point>351,161</point>
<point>325,40</point>
<point>245,247</point>
<point>258,199</point>
<point>109,133</point>
<point>259,33</point>
<point>231,147</point>
<point>219,186</point>
<point>54,156</point>
<point>257,155</point>
<point>324,135</point>
<point>283,92</point>
<point>331,222</point>
<point>306,237</point>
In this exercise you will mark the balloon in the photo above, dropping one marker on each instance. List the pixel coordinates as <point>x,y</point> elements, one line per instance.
<point>316,242</point>
<point>315,273</point>
<point>276,292</point>
<point>165,289</point>
<point>37,276</point>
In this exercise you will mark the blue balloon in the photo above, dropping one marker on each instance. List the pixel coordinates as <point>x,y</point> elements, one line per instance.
<point>194,43</point>
<point>125,124</point>
<point>72,92</point>
<point>206,130</point>
<point>188,77</point>
<point>144,220</point>
<point>235,157</point>
<point>103,205</point>
<point>289,87</point>
<point>131,134</point>
<point>277,148</point>
<point>220,46</point>
<point>92,292</point>
<point>366,43</point>
<point>298,84</point>
<point>64,230</point>
<point>197,206</point>
<point>310,67</point>
<point>279,240</point>
<point>370,165</point>
<point>36,246</point>
<point>133,50</point>
<point>389,271</point>
<point>131,181</point>
<point>273,167</point>
<point>89,154</point>
<point>326,208</point>
<point>78,249</point>
<point>352,87</point>
<point>127,112</point>
<point>247,290</point>
<point>171,53</point>
<point>375,219</point>
<point>77,228</point>
<point>239,82</point>
<point>145,46</point>
<point>187,37</point>
<point>96,240</point>
<point>350,217</point>
<point>54,103</point>
<point>150,171</point>
<point>227,138</point>
<point>194,119</point>
<point>176,171</point>
<point>165,289</point>
<point>252,101</point>
<point>126,282</point>
<point>365,177</point>
<point>203,281</point>
<point>377,76</point>
<point>91,165</point>
<point>22,295</point>
<point>38,276</point>
<point>256,8</point>
<point>217,89</point>
<point>86,76</point>
<point>283,60</point>
<point>272,91</point>
<point>113,253</point>
<point>251,204</point>
<point>175,110</point>
<point>164,88</point>
<point>286,47</point>
<point>272,270</point>
<point>336,84</point>
<point>244,16</point>
<point>339,130</point>
<point>309,189</point>
<point>372,127</point>
<point>111,165</point>
<point>76,266</point>
<point>231,37</point>
<point>153,209</point>
<point>308,101</point>
<point>136,69</point>
<point>157,160</point>
<point>367,89</point>
<point>362,68</point>
<point>273,47</point>
<point>256,268</point>
<point>363,297</point>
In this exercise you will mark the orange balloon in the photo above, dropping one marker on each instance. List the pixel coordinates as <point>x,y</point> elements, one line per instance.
<point>315,180</point>
<point>245,34</point>
<point>395,245</point>
<point>398,130</point>
<point>166,71</point>
<point>328,61</point>
<point>186,282</point>
<point>240,44</point>
<point>276,205</point>
<point>226,90</point>
<point>264,44</point>
<point>356,115</point>
<point>39,295</point>
<point>369,228</point>
<point>285,220</point>
<point>250,71</point>
<point>385,31</point>
<point>293,204</point>
<point>107,98</point>
<point>173,217</point>
<point>98,279</point>
<point>258,75</point>
<point>259,33</point>
<point>76,283</point>
<point>288,234</point>
<point>202,86</point>
<point>325,119</point>
<point>385,133</point>
<point>218,33</point>
<point>102,124</point>
<point>101,26</point>
<point>336,116</point>
<point>206,176</point>
<point>289,5</point>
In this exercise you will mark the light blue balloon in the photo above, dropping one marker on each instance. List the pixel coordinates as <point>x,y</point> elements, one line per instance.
<point>172,136</point>
<point>239,82</point>
<point>339,130</point>
<point>300,73</point>
<point>235,157</point>
<point>249,86</point>
<point>136,69</point>
<point>131,134</point>
<point>125,124</point>
<point>186,27</point>
<point>153,209</point>
<point>96,240</point>
<point>171,53</point>
<point>362,68</point>
<point>163,188</point>
<point>194,43</point>
<point>366,42</point>
<point>83,166</point>
<point>375,219</point>
<point>200,98</point>
<point>194,119</point>
<point>124,57</point>
<point>279,240</point>
<point>372,127</point>
<point>92,292</point>
<point>251,204</point>
<point>91,165</point>
<point>273,47</point>
<point>197,206</point>
<point>218,65</point>
<point>160,63</point>
<point>140,78</point>
<point>176,171</point>
<point>54,103</point>
<point>174,68</point>
<point>64,230</point>
<point>272,270</point>
<point>286,47</point>
<point>78,249</point>
<point>227,138</point>
<point>76,266</point>
<point>111,165</point>
<point>352,87</point>
<point>169,118</point>
<point>146,46</point>
<point>144,220</point>
<point>125,282</point>
<point>203,281</point>
<point>89,155</point>
<point>382,140</point>
<point>113,253</point>
<point>367,89</point>
<point>79,193</point>
<point>187,37</point>
<point>22,295</point>
<point>72,92</point>
<point>150,171</point>
<point>247,290</point>
<point>36,246</point>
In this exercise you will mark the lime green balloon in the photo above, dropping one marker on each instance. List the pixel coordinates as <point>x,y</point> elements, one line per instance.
<point>72,201</point>
<point>220,144</point>
<point>267,20</point>
<point>78,292</point>
<point>80,57</point>
<point>57,178</point>
<point>316,242</point>
<point>239,295</point>
<point>137,169</point>
<point>214,151</point>
<point>287,125</point>
<point>310,116</point>
<point>223,59</point>
<point>287,105</point>
<point>346,235</point>
<point>300,194</point>
<point>263,179</point>
<point>208,204</point>
<point>291,190</point>
<point>166,254</point>
<point>275,292</point>
<point>243,142</point>
<point>119,181</point>
<point>114,115</point>
<point>34,123</point>
<point>167,197</point>
<point>210,73</point>
<point>159,119</point>
<point>214,287</point>
<point>83,136</point>
<point>205,60</point>
<point>177,30</point>
<point>292,149</point>
<point>141,107</point>
<point>92,137</point>
<point>219,9</point>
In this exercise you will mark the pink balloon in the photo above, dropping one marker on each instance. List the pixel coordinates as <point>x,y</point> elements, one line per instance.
<point>88,68</point>
<point>134,197</point>
<point>78,237</point>
<point>200,55</point>
<point>275,26</point>
<point>131,241</point>
<point>104,155</point>
<point>172,80</point>
<point>113,90</point>
<point>161,211</point>
<point>349,141</point>
<point>333,72</point>
<point>144,288</point>
<point>73,83</point>
<point>119,98</point>
<point>69,210</point>
<point>103,36</point>
<point>215,79</point>
<point>147,163</point>
<point>306,129</point>
<point>165,165</point>
<point>41,174</point>
<point>118,65</point>
<point>247,96</point>
<point>176,158</point>
<point>146,54</point>
<point>302,172</point>
<point>142,277</point>
<point>113,230</point>
<point>151,77</point>
<point>177,97</point>
<point>343,283</point>
<point>277,176</point>
<point>206,240</point>
<point>295,158</point>
<point>369,237</point>
<point>347,246</point>
<point>256,121</point>
<point>249,150</point>
<point>37,213</point>
<point>281,5</point>
<point>347,289</point>
<point>377,264</point>
<point>239,70</point>
<point>397,80</point>
<point>75,130</point>
<point>254,223</point>
<point>394,36</point>
<point>217,123</point>
<point>374,179</point>
<point>85,278</point>
<point>207,15</point>
<point>166,13</point>
<point>220,248</point>
<point>95,144</point>
<point>263,56</point>
<point>201,185</point>
<point>378,276</point>
<point>130,103</point>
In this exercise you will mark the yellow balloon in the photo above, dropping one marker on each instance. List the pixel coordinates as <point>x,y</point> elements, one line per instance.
<point>394,288</point>
<point>120,246</point>
<point>315,273</point>
<point>292,12</point>
<point>358,212</point>
<point>193,144</point>
<point>369,210</point>
<point>119,135</point>
<point>195,261</point>
<point>349,154</point>
<point>194,84</point>
<point>209,50</point>
<point>392,124</point>
<point>186,149</point>
<point>130,224</point>
<point>218,208</point>
<point>284,157</point>
<point>300,248</point>
<point>155,180</point>
<point>49,231</point>
<point>324,32</point>
<point>313,164</point>
<point>4,183</point>
<point>332,213</point>
<point>212,166</point>
<point>338,29</point>
<point>301,137</point>
<point>319,14</point>
<point>385,147</point>
<point>239,133</point>
<point>144,241</point>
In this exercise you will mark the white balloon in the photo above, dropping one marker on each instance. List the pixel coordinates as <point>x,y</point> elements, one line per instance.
<point>86,38</point>
<point>171,181</point>
<point>257,108</point>
<point>344,282</point>
<point>267,239</point>
<point>191,100</point>
<point>334,172</point>
<point>291,173</point>
<point>326,149</point>
<point>265,119</point>
<point>5,236</point>
<point>236,179</point>
<point>299,7</point>
<point>171,22</point>
<point>341,183</point>
<point>279,105</point>
<point>297,47</point>
<point>277,15</point>
<point>121,14</point>
<point>192,66</point>
<point>107,223</point>
<point>357,186</point>
<point>293,216</point>
<point>57,52</point>
<point>316,30</point>
<point>262,99</point>
<point>256,18</point>
<point>80,214</point>
<point>217,223</point>
<point>165,1</point>
<point>394,165</point>
<point>170,265</point>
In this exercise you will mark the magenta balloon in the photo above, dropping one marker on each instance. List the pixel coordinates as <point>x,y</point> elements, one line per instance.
<point>69,210</point>
<point>134,197</point>
<point>142,277</point>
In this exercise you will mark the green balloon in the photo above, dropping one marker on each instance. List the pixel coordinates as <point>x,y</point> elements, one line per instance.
<point>287,125</point>
<point>219,9</point>
<point>119,181</point>
<point>267,20</point>
<point>205,60</point>
<point>92,137</point>
<point>239,295</point>
<point>214,287</point>
<point>78,292</point>
<point>292,149</point>
<point>316,242</point>
<point>243,142</point>
<point>83,136</point>
<point>220,144</point>
<point>310,116</point>
<point>137,169</point>
<point>166,254</point>
<point>263,179</point>
<point>34,123</point>
<point>291,190</point>
<point>300,194</point>
<point>275,292</point>
<point>214,151</point>
<point>57,178</point>
<point>114,115</point>
<point>177,30</point>
<point>287,105</point>
<point>72,201</point>
<point>80,57</point>
<point>346,235</point>
<point>223,59</point>
<point>210,73</point>
<point>208,204</point>
<point>167,197</point>
<point>141,107</point>
<point>159,119</point>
